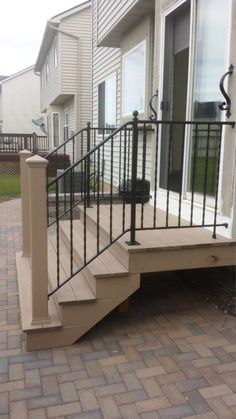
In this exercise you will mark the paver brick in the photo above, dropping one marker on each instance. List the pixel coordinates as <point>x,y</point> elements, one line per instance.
<point>152,404</point>
<point>215,391</point>
<point>88,400</point>
<point>109,408</point>
<point>63,409</point>
<point>68,392</point>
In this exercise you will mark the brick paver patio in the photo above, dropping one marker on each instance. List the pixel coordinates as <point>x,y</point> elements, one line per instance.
<point>170,357</point>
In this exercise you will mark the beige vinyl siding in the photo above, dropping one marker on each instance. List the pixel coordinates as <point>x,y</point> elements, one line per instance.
<point>76,63</point>
<point>106,61</point>
<point>70,106</point>
<point>50,88</point>
<point>110,14</point>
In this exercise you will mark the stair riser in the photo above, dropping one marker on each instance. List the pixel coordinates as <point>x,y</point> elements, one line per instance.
<point>88,276</point>
<point>116,249</point>
<point>92,312</point>
<point>54,338</point>
<point>99,284</point>
<point>114,286</point>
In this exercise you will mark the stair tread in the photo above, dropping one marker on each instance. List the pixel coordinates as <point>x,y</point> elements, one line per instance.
<point>24,284</point>
<point>75,290</point>
<point>105,264</point>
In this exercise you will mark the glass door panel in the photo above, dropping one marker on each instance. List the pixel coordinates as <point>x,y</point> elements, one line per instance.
<point>174,97</point>
<point>212,27</point>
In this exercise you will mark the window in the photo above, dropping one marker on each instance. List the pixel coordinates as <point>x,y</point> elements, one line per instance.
<point>133,80</point>
<point>107,103</point>
<point>47,71</point>
<point>55,129</point>
<point>55,57</point>
<point>66,125</point>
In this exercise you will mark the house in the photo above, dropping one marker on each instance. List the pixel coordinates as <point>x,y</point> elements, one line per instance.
<point>20,104</point>
<point>1,78</point>
<point>164,114</point>
<point>64,67</point>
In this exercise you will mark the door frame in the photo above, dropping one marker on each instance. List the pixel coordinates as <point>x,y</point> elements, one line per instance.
<point>162,193</point>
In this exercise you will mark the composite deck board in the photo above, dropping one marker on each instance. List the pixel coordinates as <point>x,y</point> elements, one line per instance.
<point>106,264</point>
<point>76,289</point>
<point>156,239</point>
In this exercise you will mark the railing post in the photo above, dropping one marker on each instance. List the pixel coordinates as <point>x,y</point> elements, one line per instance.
<point>134,180</point>
<point>88,165</point>
<point>35,143</point>
<point>38,238</point>
<point>24,179</point>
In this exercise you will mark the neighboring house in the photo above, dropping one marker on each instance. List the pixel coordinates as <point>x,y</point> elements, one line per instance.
<point>20,103</point>
<point>1,79</point>
<point>140,46</point>
<point>64,66</point>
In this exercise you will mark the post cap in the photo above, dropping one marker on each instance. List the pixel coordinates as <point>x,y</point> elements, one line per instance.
<point>25,153</point>
<point>36,161</point>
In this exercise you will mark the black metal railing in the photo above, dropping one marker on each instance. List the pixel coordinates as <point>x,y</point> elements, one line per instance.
<point>14,143</point>
<point>63,157</point>
<point>118,170</point>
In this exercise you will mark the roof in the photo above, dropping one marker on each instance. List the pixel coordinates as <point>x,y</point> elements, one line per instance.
<point>50,32</point>
<point>6,79</point>
<point>3,77</point>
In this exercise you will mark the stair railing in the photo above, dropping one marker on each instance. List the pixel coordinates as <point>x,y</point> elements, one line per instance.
<point>120,166</point>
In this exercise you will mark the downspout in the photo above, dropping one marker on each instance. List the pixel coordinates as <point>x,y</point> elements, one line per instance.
<point>77,100</point>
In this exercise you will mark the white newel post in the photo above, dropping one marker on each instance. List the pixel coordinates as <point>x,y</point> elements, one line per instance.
<point>24,179</point>
<point>38,238</point>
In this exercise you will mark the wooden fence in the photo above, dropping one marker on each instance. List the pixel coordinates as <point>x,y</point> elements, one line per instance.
<point>13,143</point>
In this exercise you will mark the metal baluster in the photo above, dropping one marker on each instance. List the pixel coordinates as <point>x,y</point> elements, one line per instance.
<point>182,168</point>
<point>134,181</point>
<point>73,150</point>
<point>88,165</point>
<point>57,236</point>
<point>206,175</point>
<point>103,170</point>
<point>82,144</point>
<point>124,180</point>
<point>111,188</point>
<point>98,198</point>
<point>120,139</point>
<point>217,182</point>
<point>128,157</point>
<point>155,177</point>
<point>85,202</point>
<point>143,172</point>
<point>168,176</point>
<point>71,220</point>
<point>194,172</point>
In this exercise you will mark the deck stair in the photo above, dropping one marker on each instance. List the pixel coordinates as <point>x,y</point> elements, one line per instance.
<point>112,277</point>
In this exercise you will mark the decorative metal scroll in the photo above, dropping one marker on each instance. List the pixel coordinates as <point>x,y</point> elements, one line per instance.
<point>226,104</point>
<point>153,116</point>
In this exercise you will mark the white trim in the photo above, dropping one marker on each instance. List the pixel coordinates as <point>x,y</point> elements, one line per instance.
<point>143,43</point>
<point>110,76</point>
<point>55,113</point>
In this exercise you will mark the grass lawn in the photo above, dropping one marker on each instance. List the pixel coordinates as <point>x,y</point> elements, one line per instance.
<point>9,186</point>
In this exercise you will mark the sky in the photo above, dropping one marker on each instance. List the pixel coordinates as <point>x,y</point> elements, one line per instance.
<point>22,24</point>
